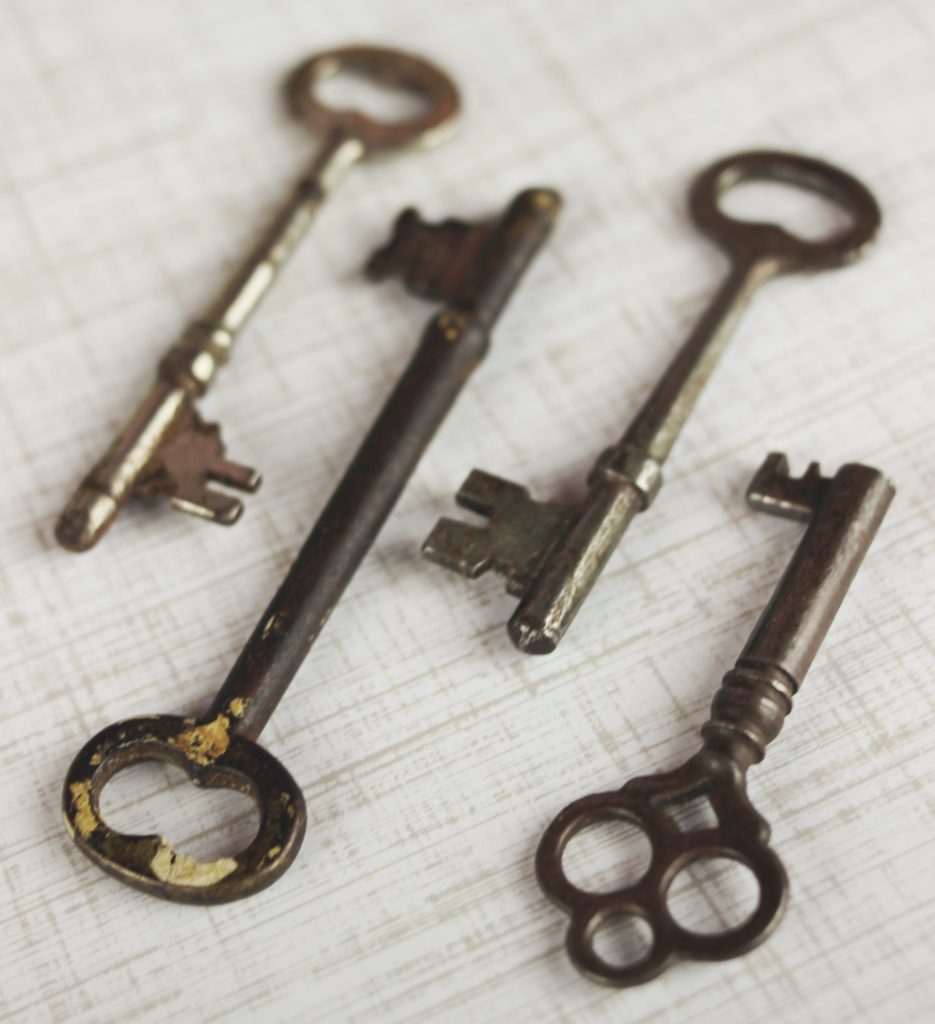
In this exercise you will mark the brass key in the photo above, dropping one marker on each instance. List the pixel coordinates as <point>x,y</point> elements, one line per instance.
<point>166,448</point>
<point>843,514</point>
<point>552,554</point>
<point>472,270</point>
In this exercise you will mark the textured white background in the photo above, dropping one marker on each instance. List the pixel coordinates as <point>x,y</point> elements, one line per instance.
<point>141,146</point>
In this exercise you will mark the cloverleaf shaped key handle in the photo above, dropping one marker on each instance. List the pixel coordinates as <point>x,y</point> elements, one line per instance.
<point>748,711</point>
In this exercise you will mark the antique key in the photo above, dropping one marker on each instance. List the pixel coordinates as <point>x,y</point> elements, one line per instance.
<point>551,554</point>
<point>843,513</point>
<point>166,448</point>
<point>472,270</point>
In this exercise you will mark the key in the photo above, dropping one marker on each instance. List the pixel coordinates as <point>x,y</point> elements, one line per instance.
<point>166,448</point>
<point>552,554</point>
<point>472,271</point>
<point>843,515</point>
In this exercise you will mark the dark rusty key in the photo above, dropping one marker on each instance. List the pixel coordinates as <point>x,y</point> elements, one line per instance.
<point>552,554</point>
<point>472,270</point>
<point>166,448</point>
<point>843,514</point>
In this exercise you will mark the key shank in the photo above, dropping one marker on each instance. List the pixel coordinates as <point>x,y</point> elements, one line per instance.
<point>627,477</point>
<point>843,513</point>
<point>452,345</point>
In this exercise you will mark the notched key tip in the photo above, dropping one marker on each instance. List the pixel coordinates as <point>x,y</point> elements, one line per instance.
<point>86,519</point>
<point>773,489</point>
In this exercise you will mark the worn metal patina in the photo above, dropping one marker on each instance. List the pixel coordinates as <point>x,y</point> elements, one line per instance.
<point>552,554</point>
<point>166,448</point>
<point>472,270</point>
<point>748,711</point>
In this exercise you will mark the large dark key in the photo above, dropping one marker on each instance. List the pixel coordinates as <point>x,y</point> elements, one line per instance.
<point>843,515</point>
<point>472,270</point>
<point>552,554</point>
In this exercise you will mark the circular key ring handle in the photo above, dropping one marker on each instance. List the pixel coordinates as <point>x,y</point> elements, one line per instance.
<point>763,241</point>
<point>392,68</point>
<point>211,758</point>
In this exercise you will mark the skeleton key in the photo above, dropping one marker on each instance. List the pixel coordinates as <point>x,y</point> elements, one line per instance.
<point>166,448</point>
<point>552,554</point>
<point>843,513</point>
<point>472,270</point>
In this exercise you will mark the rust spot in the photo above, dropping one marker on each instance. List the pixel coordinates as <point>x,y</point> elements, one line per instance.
<point>204,744</point>
<point>175,868</point>
<point>85,820</point>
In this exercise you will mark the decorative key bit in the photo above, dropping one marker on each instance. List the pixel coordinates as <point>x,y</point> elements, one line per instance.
<point>844,513</point>
<point>552,555</point>
<point>220,749</point>
<point>165,448</point>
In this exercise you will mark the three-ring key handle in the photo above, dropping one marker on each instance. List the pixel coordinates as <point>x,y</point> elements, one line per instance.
<point>844,513</point>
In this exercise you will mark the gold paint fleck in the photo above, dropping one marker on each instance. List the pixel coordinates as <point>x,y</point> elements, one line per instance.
<point>273,851</point>
<point>179,869</point>
<point>204,744</point>
<point>86,821</point>
<point>237,707</point>
<point>95,759</point>
<point>273,624</point>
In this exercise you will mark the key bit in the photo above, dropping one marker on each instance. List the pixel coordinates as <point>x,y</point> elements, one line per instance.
<point>187,461</point>
<point>774,490</point>
<point>519,537</point>
<point>431,259</point>
<point>747,713</point>
<point>555,571</point>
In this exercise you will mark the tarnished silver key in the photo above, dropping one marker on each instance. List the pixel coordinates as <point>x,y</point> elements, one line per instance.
<point>843,513</point>
<point>166,448</point>
<point>551,554</point>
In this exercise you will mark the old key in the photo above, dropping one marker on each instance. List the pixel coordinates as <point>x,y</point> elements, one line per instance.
<point>166,448</point>
<point>472,270</point>
<point>552,554</point>
<point>843,513</point>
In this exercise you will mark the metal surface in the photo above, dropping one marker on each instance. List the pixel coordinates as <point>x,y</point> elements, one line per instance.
<point>748,711</point>
<point>472,270</point>
<point>166,448</point>
<point>552,554</point>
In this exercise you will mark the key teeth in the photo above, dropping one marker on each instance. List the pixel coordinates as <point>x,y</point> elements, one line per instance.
<point>515,543</point>
<point>461,547</point>
<point>187,462</point>
<point>214,506</point>
<point>773,489</point>
<point>483,493</point>
<point>432,260</point>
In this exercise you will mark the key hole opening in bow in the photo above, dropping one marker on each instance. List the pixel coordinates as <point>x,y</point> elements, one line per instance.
<point>347,90</point>
<point>712,895</point>
<point>802,212</point>
<point>607,855</point>
<point>154,797</point>
<point>623,940</point>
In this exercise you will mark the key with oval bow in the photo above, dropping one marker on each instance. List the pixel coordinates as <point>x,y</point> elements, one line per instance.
<point>166,448</point>
<point>552,554</point>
